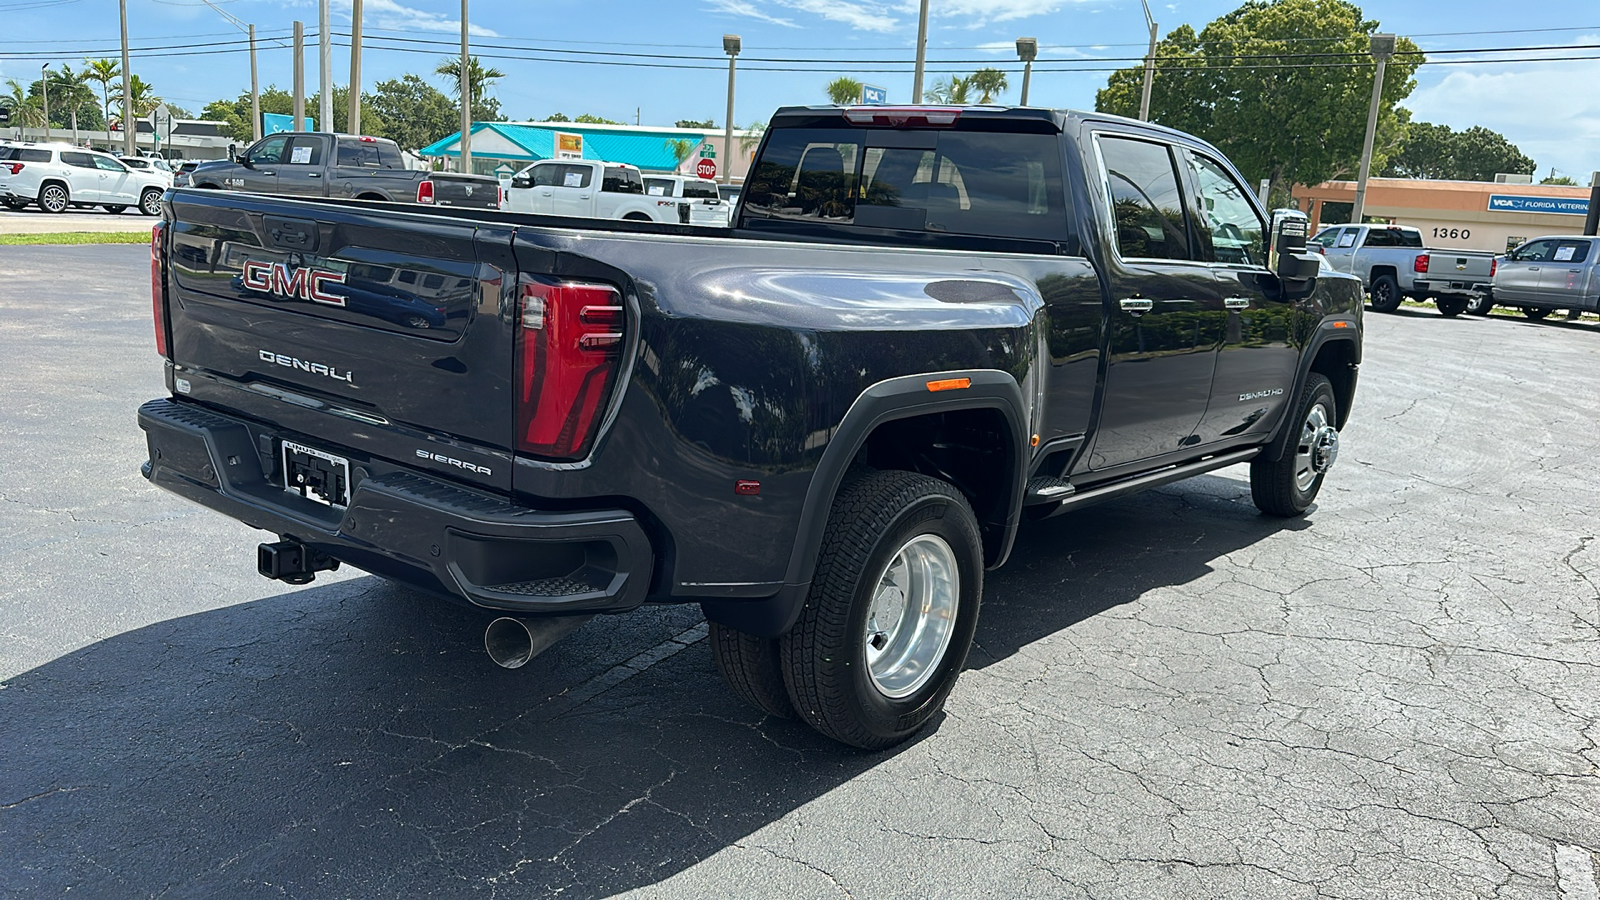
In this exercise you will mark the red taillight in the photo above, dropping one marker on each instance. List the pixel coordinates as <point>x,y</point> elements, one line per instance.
<point>158,289</point>
<point>425,191</point>
<point>14,167</point>
<point>569,344</point>
<point>896,116</point>
<point>1421,264</point>
<point>1493,265</point>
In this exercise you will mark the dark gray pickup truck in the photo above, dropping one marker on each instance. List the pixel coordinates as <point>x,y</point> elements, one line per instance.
<point>925,327</point>
<point>315,164</point>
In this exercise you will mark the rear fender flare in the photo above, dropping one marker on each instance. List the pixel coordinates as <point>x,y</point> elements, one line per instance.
<point>1327,332</point>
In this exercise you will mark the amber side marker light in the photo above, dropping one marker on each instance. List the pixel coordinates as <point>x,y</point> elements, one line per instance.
<point>1341,324</point>
<point>950,384</point>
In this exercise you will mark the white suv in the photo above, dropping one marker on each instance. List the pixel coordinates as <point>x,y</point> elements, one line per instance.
<point>57,176</point>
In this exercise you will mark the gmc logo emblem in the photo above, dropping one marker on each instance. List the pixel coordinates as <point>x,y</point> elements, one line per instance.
<point>302,284</point>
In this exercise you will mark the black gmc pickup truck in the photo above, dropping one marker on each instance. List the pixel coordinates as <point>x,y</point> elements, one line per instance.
<point>822,424</point>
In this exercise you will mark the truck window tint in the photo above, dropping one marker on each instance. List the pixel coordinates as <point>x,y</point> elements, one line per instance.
<point>29,154</point>
<point>1326,237</point>
<point>700,190</point>
<point>1379,237</point>
<point>1406,237</point>
<point>268,151</point>
<point>389,157</point>
<point>547,176</point>
<point>304,151</point>
<point>1570,251</point>
<point>1227,225</point>
<point>1145,200</point>
<point>575,176</point>
<point>77,160</point>
<point>618,180</point>
<point>996,185</point>
<point>658,187</point>
<point>363,155</point>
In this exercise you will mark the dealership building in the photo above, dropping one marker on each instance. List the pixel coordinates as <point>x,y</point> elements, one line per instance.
<point>1475,215</point>
<point>502,148</point>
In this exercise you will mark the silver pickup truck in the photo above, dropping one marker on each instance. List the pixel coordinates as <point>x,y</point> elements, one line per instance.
<point>1545,274</point>
<point>1393,263</point>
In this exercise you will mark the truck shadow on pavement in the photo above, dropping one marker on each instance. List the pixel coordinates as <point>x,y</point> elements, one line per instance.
<point>350,739</point>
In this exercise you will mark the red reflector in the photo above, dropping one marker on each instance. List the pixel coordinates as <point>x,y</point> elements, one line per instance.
<point>425,191</point>
<point>1421,263</point>
<point>568,352</point>
<point>896,116</point>
<point>746,488</point>
<point>158,289</point>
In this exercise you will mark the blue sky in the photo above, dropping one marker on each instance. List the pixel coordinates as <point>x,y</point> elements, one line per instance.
<point>1548,109</point>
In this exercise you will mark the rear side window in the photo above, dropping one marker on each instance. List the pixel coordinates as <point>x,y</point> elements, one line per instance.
<point>622,181</point>
<point>1570,252</point>
<point>956,182</point>
<point>359,154</point>
<point>305,151</point>
<point>30,154</point>
<point>701,190</point>
<point>1145,202</point>
<point>77,160</point>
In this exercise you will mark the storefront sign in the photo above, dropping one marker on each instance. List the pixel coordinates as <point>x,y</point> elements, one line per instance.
<point>1557,205</point>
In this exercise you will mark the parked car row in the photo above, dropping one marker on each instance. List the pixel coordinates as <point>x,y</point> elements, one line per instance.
<point>58,176</point>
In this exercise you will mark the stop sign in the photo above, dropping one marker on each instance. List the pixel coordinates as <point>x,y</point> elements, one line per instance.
<point>706,168</point>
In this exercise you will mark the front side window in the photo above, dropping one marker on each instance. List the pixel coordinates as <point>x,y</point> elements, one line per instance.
<point>1326,237</point>
<point>1227,225</point>
<point>107,164</point>
<point>269,151</point>
<point>546,175</point>
<point>1533,251</point>
<point>1146,205</point>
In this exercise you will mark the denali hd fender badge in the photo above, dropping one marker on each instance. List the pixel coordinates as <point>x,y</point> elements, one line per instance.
<point>290,362</point>
<point>441,458</point>
<point>1256,395</point>
<point>300,284</point>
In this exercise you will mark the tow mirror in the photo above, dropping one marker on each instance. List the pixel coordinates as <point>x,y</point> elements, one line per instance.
<point>1289,258</point>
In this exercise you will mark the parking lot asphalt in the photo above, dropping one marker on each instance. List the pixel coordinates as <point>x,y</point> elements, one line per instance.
<point>1172,696</point>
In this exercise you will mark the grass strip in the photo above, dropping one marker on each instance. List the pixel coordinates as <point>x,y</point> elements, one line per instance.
<point>77,237</point>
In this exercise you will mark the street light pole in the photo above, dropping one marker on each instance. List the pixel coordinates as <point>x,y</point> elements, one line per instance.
<point>1382,48</point>
<point>1027,50</point>
<point>44,86</point>
<point>353,123</point>
<point>922,53</point>
<point>730,45</point>
<point>128,146</point>
<point>465,144</point>
<point>299,77</point>
<point>1149,66</point>
<point>255,91</point>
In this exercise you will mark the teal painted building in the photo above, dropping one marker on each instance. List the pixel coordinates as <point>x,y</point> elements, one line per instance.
<point>497,146</point>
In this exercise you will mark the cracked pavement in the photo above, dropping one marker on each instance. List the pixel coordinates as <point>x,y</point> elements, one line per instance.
<point>1171,696</point>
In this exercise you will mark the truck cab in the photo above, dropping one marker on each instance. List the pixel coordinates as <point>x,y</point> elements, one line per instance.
<point>589,189</point>
<point>356,167</point>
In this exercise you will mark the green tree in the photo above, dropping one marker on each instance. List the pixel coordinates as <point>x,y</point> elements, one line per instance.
<point>1437,152</point>
<point>1553,178</point>
<point>1481,153</point>
<point>707,124</point>
<point>589,119</point>
<point>843,91</point>
<point>103,72</point>
<point>989,83</point>
<point>145,98</point>
<point>952,91</point>
<point>557,117</point>
<point>69,95</point>
<point>484,107</point>
<point>751,139</point>
<point>25,111</point>
<point>414,113</point>
<point>1245,84</point>
<point>680,148</point>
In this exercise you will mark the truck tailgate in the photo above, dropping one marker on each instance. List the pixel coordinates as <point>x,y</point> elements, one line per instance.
<point>1459,265</point>
<point>375,331</point>
<point>450,189</point>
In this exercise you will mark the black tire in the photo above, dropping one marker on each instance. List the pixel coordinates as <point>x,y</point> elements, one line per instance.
<point>54,199</point>
<point>877,517</point>
<point>752,669</point>
<point>1279,487</point>
<point>1450,307</point>
<point>150,202</point>
<point>636,217</point>
<point>1385,294</point>
<point>115,210</point>
<point>1535,314</point>
<point>1479,305</point>
<point>14,205</point>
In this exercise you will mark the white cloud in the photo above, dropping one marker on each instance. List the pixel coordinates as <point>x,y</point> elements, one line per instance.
<point>393,16</point>
<point>749,10</point>
<point>1538,107</point>
<point>982,12</point>
<point>891,15</point>
<point>863,16</point>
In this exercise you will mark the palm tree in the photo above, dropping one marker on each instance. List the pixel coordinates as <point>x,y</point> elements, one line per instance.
<point>952,92</point>
<point>752,136</point>
<point>103,71</point>
<point>478,78</point>
<point>72,92</point>
<point>680,148</point>
<point>144,97</point>
<point>844,91</point>
<point>989,82</point>
<point>25,112</point>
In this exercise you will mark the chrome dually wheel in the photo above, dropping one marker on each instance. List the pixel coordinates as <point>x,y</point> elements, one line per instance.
<point>1318,448</point>
<point>1285,478</point>
<point>912,616</point>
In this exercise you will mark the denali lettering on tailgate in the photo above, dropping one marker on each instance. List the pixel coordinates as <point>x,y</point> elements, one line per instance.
<point>301,284</point>
<point>289,362</point>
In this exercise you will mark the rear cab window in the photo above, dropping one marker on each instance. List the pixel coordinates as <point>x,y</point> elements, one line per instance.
<point>876,180</point>
<point>658,187</point>
<point>356,153</point>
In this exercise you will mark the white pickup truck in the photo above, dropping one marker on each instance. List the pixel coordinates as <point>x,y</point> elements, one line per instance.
<point>1393,263</point>
<point>591,190</point>
<point>706,206</point>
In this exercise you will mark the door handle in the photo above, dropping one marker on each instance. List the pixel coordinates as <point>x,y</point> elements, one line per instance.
<point>1136,306</point>
<point>1533,268</point>
<point>313,174</point>
<point>584,196</point>
<point>1236,302</point>
<point>265,172</point>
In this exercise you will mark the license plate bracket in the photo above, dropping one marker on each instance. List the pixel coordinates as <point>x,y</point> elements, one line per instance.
<point>316,475</point>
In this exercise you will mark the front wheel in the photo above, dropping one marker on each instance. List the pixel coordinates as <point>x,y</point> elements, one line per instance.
<point>891,613</point>
<point>1535,314</point>
<point>150,202</point>
<point>1287,486</point>
<point>1479,304</point>
<point>1450,307</point>
<point>1385,294</point>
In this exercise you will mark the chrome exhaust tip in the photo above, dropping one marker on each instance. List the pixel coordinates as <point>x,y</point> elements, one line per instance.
<point>511,642</point>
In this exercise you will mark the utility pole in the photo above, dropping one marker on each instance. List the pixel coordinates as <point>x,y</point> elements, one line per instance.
<point>922,53</point>
<point>353,123</point>
<point>465,144</point>
<point>299,77</point>
<point>128,146</point>
<point>730,45</point>
<point>324,68</point>
<point>1149,66</point>
<point>255,91</point>
<point>1382,48</point>
<point>44,86</point>
<point>1027,51</point>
